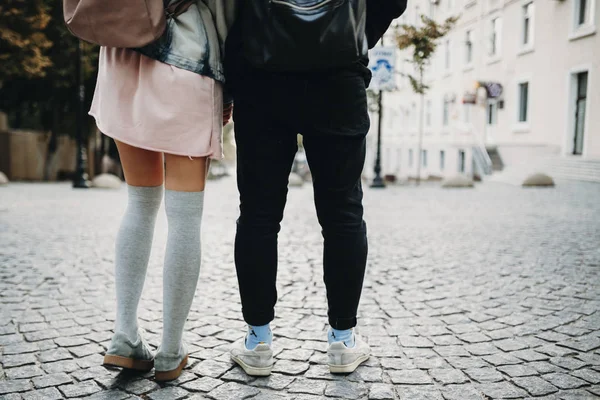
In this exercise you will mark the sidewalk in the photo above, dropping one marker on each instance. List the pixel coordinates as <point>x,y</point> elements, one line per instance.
<point>491,293</point>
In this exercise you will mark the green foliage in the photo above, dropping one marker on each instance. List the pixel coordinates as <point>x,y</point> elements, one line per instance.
<point>44,96</point>
<point>423,41</point>
<point>23,43</point>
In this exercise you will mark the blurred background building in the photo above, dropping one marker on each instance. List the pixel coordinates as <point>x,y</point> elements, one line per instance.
<point>514,86</point>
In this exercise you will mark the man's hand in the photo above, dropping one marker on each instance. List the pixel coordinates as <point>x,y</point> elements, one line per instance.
<point>227,112</point>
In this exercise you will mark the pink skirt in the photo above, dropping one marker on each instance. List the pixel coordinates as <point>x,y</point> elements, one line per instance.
<point>156,106</point>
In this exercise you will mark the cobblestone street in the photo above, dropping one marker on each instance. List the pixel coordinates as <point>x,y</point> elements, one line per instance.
<point>491,293</point>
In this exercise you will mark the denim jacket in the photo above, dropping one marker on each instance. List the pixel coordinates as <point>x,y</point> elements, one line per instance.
<point>195,40</point>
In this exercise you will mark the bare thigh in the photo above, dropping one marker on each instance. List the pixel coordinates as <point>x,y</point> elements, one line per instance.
<point>184,174</point>
<point>141,167</point>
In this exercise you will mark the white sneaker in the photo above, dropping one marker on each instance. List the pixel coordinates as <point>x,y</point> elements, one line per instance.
<point>345,360</point>
<point>256,362</point>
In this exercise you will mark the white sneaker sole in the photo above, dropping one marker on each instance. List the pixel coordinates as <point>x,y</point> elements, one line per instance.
<point>253,371</point>
<point>348,368</point>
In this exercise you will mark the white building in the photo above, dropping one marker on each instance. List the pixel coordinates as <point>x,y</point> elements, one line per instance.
<point>545,57</point>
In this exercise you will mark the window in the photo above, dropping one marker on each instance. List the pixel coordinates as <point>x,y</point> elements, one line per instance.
<point>523,101</point>
<point>410,157</point>
<point>467,113</point>
<point>447,54</point>
<point>528,27</point>
<point>495,37</point>
<point>469,47</point>
<point>442,160</point>
<point>413,115</point>
<point>446,113</point>
<point>582,8</point>
<point>461,161</point>
<point>417,16</point>
<point>428,113</point>
<point>492,113</point>
<point>424,158</point>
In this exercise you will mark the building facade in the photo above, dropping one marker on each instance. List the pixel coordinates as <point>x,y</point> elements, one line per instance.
<point>515,85</point>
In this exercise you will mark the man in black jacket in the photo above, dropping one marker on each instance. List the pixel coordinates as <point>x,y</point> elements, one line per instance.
<point>328,106</point>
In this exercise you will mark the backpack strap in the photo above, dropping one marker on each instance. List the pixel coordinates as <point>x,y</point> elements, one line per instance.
<point>178,7</point>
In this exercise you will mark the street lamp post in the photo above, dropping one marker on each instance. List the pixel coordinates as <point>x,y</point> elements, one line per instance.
<point>378,181</point>
<point>80,180</point>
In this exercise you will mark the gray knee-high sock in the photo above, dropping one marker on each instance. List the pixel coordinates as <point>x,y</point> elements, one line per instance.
<point>182,263</point>
<point>132,252</point>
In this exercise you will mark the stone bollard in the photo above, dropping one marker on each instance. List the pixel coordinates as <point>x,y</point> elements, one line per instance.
<point>458,181</point>
<point>3,179</point>
<point>295,180</point>
<point>106,181</point>
<point>538,180</point>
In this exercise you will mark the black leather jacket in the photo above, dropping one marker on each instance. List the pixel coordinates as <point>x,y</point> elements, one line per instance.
<point>380,14</point>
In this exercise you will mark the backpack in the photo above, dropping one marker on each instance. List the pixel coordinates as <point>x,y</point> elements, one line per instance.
<point>120,23</point>
<point>296,35</point>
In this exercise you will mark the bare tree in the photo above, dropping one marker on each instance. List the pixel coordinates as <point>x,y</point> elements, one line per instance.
<point>422,41</point>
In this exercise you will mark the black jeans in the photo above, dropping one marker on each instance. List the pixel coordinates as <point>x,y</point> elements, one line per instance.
<point>330,110</point>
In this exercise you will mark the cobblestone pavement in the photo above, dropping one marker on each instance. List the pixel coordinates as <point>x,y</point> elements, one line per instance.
<point>492,293</point>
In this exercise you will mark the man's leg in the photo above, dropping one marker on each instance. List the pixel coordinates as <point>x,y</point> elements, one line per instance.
<point>265,153</point>
<point>336,163</point>
<point>335,148</point>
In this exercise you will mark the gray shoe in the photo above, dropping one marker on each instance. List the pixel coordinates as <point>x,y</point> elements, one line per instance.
<point>256,362</point>
<point>124,353</point>
<point>345,360</point>
<point>169,366</point>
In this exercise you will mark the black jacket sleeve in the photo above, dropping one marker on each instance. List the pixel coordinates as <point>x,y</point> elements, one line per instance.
<point>380,14</point>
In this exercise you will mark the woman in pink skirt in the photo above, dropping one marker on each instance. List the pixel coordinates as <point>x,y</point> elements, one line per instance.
<point>164,106</point>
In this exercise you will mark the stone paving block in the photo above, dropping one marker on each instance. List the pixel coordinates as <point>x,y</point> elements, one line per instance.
<point>139,386</point>
<point>577,394</point>
<point>60,366</point>
<point>569,363</point>
<point>415,341</point>
<point>515,371</point>
<point>51,393</point>
<point>6,340</point>
<point>535,386</point>
<point>467,362</point>
<point>502,359</point>
<point>485,374</point>
<point>13,386</point>
<point>309,386</point>
<point>41,335</point>
<point>213,369</point>
<point>25,372</point>
<point>86,350</point>
<point>502,390</point>
<point>54,355</point>
<point>410,377</point>
<point>20,348</point>
<point>112,394</point>
<point>290,367</point>
<point>237,375</point>
<point>447,376</point>
<point>90,361</point>
<point>588,375</point>
<point>204,384</point>
<point>381,391</point>
<point>274,382</point>
<point>564,381</point>
<point>91,373</point>
<point>24,328</point>
<point>419,393</point>
<point>346,390</point>
<point>366,374</point>
<point>233,391</point>
<point>168,393</point>
<point>80,389</point>
<point>461,392</point>
<point>529,355</point>
<point>17,360</point>
<point>44,381</point>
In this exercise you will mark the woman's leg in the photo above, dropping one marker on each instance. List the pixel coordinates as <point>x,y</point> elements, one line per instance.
<point>144,175</point>
<point>184,200</point>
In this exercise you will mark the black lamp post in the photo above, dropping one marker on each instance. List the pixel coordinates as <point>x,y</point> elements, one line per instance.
<point>378,181</point>
<point>80,179</point>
